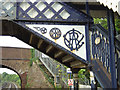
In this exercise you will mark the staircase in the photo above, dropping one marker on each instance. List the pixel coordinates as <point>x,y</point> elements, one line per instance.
<point>101,55</point>
<point>21,20</point>
<point>17,18</point>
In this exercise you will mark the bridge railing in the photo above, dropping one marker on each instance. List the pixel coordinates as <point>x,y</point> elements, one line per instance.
<point>31,10</point>
<point>100,46</point>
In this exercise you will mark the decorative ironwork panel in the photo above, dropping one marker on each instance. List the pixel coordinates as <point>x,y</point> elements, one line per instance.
<point>69,37</point>
<point>100,46</point>
<point>8,9</point>
<point>52,10</point>
<point>41,9</point>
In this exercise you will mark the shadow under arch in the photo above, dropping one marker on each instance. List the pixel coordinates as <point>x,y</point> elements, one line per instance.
<point>3,66</point>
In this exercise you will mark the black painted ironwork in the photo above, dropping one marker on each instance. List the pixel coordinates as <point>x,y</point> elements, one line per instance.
<point>100,46</point>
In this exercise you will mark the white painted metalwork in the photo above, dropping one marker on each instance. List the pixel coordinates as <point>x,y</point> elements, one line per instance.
<point>40,6</point>
<point>111,4</point>
<point>56,6</point>
<point>49,1</point>
<point>71,37</point>
<point>24,5</point>
<point>32,13</point>
<point>49,14</point>
<point>64,14</point>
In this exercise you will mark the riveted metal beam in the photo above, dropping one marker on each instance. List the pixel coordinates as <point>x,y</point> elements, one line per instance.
<point>39,43</point>
<point>67,59</point>
<point>49,48</point>
<point>31,38</point>
<point>58,54</point>
<point>77,64</point>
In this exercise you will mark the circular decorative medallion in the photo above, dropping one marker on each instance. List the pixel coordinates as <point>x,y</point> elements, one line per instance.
<point>55,33</point>
<point>43,30</point>
<point>97,40</point>
<point>73,39</point>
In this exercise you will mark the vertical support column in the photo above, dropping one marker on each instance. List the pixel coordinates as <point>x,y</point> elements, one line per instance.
<point>87,8</point>
<point>87,34</point>
<point>88,47</point>
<point>118,69</point>
<point>75,78</point>
<point>111,29</point>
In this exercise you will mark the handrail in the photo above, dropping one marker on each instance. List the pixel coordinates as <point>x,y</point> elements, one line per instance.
<point>105,33</point>
<point>100,51</point>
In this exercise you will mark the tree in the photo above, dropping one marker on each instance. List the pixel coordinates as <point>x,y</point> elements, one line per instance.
<point>4,74</point>
<point>5,77</point>
<point>103,22</point>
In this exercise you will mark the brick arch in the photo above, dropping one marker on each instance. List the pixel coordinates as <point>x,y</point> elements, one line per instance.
<point>17,60</point>
<point>22,76</point>
<point>13,69</point>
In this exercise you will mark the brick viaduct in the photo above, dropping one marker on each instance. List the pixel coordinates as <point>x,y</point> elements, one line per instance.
<point>16,59</point>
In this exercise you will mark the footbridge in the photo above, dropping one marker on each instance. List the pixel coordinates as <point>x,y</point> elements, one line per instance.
<point>63,31</point>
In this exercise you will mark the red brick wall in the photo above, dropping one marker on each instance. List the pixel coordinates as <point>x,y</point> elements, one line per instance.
<point>15,53</point>
<point>24,79</point>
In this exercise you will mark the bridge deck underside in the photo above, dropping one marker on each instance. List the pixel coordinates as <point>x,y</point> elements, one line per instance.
<point>12,28</point>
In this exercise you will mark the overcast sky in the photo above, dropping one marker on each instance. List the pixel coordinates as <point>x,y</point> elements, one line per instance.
<point>7,71</point>
<point>8,41</point>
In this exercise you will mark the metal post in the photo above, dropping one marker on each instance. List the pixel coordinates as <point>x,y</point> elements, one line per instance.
<point>75,78</point>
<point>87,8</point>
<point>76,85</point>
<point>111,28</point>
<point>87,34</point>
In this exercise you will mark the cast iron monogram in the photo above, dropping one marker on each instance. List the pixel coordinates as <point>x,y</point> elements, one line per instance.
<point>73,39</point>
<point>55,33</point>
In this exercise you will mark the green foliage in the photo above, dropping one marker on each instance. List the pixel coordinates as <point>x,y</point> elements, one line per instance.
<point>103,22</point>
<point>58,87</point>
<point>82,74</point>
<point>5,77</point>
<point>117,25</point>
<point>58,66</point>
<point>27,85</point>
<point>33,58</point>
<point>50,80</point>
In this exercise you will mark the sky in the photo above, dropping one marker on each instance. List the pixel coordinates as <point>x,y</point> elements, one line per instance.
<point>7,71</point>
<point>12,42</point>
<point>8,41</point>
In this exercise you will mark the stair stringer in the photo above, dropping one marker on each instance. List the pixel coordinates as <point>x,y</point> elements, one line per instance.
<point>101,74</point>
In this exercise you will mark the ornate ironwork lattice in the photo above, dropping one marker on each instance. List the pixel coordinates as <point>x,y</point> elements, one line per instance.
<point>41,9</point>
<point>7,9</point>
<point>100,46</point>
